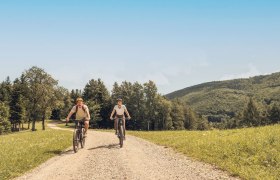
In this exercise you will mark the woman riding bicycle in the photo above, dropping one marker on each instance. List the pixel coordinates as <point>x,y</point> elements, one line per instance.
<point>120,110</point>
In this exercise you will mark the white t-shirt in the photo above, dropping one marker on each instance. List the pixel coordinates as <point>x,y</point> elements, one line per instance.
<point>120,111</point>
<point>81,113</point>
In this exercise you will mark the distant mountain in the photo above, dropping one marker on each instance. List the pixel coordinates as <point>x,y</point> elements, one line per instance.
<point>226,98</point>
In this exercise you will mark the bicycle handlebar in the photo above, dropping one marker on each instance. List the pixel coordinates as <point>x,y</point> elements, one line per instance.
<point>122,118</point>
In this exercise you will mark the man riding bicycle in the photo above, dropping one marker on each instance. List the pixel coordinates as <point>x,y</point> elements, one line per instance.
<point>120,110</point>
<point>82,113</point>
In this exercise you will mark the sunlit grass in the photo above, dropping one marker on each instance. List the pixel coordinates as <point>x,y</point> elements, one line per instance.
<point>21,152</point>
<point>252,153</point>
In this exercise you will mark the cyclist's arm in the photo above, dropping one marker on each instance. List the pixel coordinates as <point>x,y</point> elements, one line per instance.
<point>88,114</point>
<point>127,113</point>
<point>112,114</point>
<point>69,115</point>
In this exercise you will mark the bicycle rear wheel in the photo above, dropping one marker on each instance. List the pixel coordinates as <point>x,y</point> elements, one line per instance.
<point>75,141</point>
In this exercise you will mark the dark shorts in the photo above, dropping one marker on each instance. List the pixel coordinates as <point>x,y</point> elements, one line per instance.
<point>83,120</point>
<point>119,116</point>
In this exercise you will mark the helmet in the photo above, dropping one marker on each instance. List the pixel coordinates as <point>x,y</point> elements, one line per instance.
<point>79,99</point>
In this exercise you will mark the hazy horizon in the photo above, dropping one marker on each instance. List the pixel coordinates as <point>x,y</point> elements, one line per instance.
<point>111,85</point>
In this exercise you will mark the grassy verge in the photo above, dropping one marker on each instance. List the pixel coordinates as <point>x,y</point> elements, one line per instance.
<point>252,153</point>
<point>62,125</point>
<point>21,152</point>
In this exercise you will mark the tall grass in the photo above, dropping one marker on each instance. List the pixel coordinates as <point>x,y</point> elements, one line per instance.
<point>252,153</point>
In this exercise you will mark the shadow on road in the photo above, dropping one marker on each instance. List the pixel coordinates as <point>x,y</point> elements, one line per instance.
<point>110,146</point>
<point>60,153</point>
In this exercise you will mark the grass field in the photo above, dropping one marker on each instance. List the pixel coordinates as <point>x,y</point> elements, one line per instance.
<point>252,153</point>
<point>23,151</point>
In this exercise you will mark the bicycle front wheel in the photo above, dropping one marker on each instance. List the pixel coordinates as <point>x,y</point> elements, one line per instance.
<point>75,141</point>
<point>121,134</point>
<point>83,139</point>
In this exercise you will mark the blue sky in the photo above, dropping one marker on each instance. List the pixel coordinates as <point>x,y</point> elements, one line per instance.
<point>175,43</point>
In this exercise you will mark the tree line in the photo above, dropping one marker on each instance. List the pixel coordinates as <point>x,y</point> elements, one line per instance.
<point>36,96</point>
<point>252,114</point>
<point>29,98</point>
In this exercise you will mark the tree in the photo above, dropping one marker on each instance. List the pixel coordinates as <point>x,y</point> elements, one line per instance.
<point>17,106</point>
<point>75,94</point>
<point>137,106</point>
<point>163,108</point>
<point>134,98</point>
<point>274,114</point>
<point>190,119</point>
<point>150,91</point>
<point>41,88</point>
<point>126,89</point>
<point>94,110</point>
<point>177,115</point>
<point>96,91</point>
<point>62,103</point>
<point>24,90</point>
<point>116,92</point>
<point>131,97</point>
<point>67,104</point>
<point>5,90</point>
<point>251,116</point>
<point>5,125</point>
<point>202,123</point>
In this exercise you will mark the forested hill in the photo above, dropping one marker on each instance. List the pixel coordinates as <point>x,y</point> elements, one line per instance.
<point>229,97</point>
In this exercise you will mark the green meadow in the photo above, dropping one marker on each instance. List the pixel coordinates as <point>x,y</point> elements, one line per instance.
<point>252,153</point>
<point>23,151</point>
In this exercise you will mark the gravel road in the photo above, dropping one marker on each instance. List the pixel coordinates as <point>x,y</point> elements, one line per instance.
<point>103,159</point>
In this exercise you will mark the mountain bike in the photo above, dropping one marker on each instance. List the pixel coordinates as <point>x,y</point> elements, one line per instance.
<point>120,131</point>
<point>79,135</point>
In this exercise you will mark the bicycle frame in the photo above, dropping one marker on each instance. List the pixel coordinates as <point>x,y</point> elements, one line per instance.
<point>78,135</point>
<point>121,130</point>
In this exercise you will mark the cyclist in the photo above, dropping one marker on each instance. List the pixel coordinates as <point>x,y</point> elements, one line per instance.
<point>120,110</point>
<point>82,113</point>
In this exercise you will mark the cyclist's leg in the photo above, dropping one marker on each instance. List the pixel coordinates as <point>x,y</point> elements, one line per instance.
<point>116,125</point>
<point>124,128</point>
<point>86,125</point>
<point>76,124</point>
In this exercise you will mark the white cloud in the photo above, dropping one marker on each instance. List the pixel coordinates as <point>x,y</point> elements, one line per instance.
<point>252,71</point>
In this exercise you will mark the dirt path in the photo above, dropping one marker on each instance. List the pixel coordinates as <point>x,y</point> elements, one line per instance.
<point>103,159</point>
